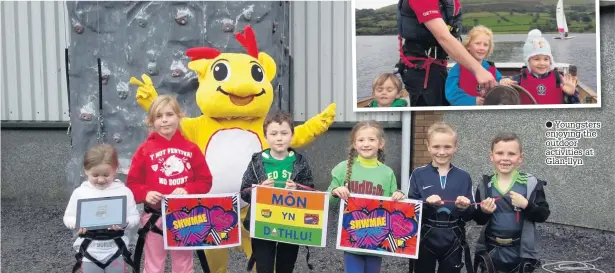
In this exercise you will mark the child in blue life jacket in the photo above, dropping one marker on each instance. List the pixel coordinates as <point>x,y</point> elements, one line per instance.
<point>540,77</point>
<point>462,89</point>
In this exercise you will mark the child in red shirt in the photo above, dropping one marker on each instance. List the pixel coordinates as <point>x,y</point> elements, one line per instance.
<point>166,163</point>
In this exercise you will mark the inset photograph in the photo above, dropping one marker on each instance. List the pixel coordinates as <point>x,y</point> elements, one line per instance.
<point>473,54</point>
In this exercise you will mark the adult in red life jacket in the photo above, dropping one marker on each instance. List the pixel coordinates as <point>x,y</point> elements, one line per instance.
<point>539,77</point>
<point>430,30</point>
<point>462,88</point>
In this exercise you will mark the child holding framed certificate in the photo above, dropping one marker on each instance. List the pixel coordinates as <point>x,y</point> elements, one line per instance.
<point>100,209</point>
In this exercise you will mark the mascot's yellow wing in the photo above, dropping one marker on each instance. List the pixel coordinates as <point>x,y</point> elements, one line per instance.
<point>189,127</point>
<point>314,127</point>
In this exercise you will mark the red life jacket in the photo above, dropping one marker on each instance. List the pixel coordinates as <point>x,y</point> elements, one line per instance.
<point>545,91</point>
<point>468,82</point>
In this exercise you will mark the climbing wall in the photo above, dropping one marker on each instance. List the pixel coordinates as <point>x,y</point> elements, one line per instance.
<point>133,38</point>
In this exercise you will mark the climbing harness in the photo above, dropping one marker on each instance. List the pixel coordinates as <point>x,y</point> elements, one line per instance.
<point>150,225</point>
<point>484,264</point>
<point>428,61</point>
<point>461,242</point>
<point>102,235</point>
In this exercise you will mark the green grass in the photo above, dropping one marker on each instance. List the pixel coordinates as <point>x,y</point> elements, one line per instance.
<point>503,16</point>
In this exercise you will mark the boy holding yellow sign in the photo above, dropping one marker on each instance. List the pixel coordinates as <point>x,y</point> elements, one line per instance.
<point>282,167</point>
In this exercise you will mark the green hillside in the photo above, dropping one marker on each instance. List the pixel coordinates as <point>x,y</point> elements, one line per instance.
<point>505,16</point>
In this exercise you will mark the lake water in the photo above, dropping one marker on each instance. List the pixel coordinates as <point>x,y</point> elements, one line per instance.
<point>379,54</point>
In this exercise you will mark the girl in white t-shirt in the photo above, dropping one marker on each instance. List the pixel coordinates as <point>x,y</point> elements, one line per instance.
<point>102,251</point>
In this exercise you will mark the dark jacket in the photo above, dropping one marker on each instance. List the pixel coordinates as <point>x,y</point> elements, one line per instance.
<point>537,211</point>
<point>425,181</point>
<point>255,174</point>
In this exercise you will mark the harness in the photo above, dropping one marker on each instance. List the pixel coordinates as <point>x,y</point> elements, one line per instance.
<point>482,259</point>
<point>454,226</point>
<point>483,262</point>
<point>454,29</point>
<point>428,61</point>
<point>151,226</point>
<point>102,235</point>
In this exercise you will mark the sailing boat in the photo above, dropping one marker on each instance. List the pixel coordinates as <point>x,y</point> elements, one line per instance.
<point>562,26</point>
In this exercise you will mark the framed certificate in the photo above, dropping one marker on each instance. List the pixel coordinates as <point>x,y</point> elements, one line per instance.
<point>101,213</point>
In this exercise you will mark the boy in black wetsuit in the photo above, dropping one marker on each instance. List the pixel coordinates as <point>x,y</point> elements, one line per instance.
<point>443,223</point>
<point>511,203</point>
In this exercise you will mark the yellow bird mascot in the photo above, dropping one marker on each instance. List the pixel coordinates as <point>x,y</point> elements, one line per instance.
<point>234,95</point>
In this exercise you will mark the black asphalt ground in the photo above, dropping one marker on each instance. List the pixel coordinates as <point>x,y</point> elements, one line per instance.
<point>34,240</point>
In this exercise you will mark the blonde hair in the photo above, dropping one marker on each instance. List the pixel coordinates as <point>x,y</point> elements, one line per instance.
<point>441,127</point>
<point>380,80</point>
<point>352,153</point>
<point>100,154</point>
<point>477,30</point>
<point>160,102</point>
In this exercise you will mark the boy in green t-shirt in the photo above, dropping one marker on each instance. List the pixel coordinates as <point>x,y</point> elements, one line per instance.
<point>278,170</point>
<point>282,167</point>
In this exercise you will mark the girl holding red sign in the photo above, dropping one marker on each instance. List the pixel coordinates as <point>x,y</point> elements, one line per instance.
<point>364,173</point>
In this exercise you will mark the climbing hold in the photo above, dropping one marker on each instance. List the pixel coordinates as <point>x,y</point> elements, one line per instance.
<point>129,59</point>
<point>177,73</point>
<point>286,50</point>
<point>181,19</point>
<point>274,27</point>
<point>122,90</point>
<point>247,15</point>
<point>86,116</point>
<point>78,28</point>
<point>117,138</point>
<point>228,27</point>
<point>122,94</point>
<point>142,22</point>
<point>152,69</point>
<point>105,78</point>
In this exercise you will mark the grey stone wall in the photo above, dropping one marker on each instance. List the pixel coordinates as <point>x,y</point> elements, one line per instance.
<point>579,195</point>
<point>132,38</point>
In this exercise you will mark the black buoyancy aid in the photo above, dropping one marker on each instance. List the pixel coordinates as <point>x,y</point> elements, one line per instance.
<point>102,235</point>
<point>410,29</point>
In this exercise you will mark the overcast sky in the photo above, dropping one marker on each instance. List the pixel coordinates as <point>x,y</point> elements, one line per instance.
<point>373,4</point>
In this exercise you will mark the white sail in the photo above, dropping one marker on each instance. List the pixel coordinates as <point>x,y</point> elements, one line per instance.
<point>560,17</point>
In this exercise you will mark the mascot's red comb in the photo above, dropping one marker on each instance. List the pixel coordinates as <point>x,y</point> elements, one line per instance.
<point>247,40</point>
<point>198,53</point>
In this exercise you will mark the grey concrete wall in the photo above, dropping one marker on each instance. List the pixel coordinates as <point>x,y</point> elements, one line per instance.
<point>579,195</point>
<point>133,38</point>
